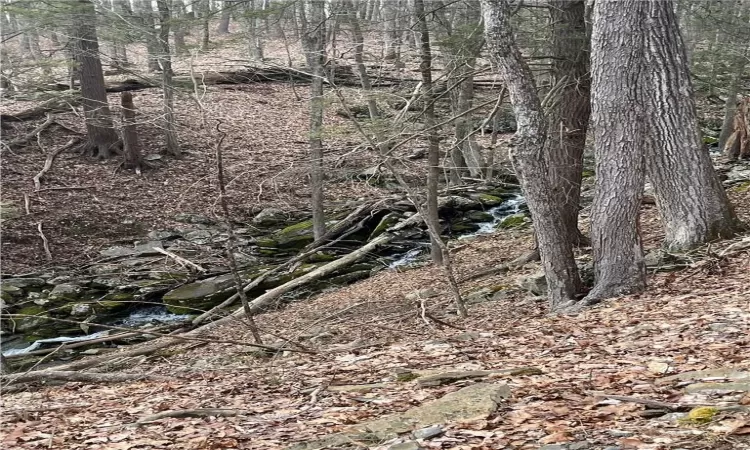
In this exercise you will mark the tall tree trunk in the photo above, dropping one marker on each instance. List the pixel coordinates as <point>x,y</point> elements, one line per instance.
<point>618,118</point>
<point>433,153</point>
<point>255,44</point>
<point>392,33</point>
<point>316,39</point>
<point>146,11</point>
<point>226,15</point>
<point>102,138</point>
<point>205,15</point>
<point>359,45</point>
<point>738,69</point>
<point>556,251</point>
<point>569,110</point>
<point>131,147</point>
<point>692,202</point>
<point>165,62</point>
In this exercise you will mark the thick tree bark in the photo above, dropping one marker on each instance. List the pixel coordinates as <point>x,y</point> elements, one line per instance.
<point>102,138</point>
<point>146,11</point>
<point>392,33</point>
<point>569,110</point>
<point>564,283</point>
<point>730,106</point>
<point>252,30</point>
<point>316,56</point>
<point>618,118</point>
<point>205,14</point>
<point>433,153</point>
<point>692,202</point>
<point>358,38</point>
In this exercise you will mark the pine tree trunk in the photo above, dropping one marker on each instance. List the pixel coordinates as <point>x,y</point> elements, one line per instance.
<point>556,251</point>
<point>433,153</point>
<point>692,202</point>
<point>316,42</point>
<point>618,118</point>
<point>568,114</point>
<point>102,139</point>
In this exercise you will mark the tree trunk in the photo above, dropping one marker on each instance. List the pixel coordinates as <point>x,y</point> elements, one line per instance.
<point>146,11</point>
<point>392,33</point>
<point>131,146</point>
<point>618,118</point>
<point>226,15</point>
<point>102,138</point>
<point>569,110</point>
<point>433,154</point>
<point>255,44</point>
<point>692,202</point>
<point>205,17</point>
<point>727,126</point>
<point>316,38</point>
<point>165,63</point>
<point>364,78</point>
<point>556,251</point>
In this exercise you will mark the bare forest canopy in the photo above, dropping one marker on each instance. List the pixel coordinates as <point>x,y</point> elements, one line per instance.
<point>398,224</point>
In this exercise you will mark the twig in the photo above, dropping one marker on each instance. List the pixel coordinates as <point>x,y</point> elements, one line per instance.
<point>27,204</point>
<point>48,162</point>
<point>64,188</point>
<point>182,261</point>
<point>652,403</point>
<point>45,242</point>
<point>207,412</point>
<point>36,131</point>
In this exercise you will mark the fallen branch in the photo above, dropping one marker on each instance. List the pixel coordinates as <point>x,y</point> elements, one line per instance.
<point>64,188</point>
<point>180,260</point>
<point>207,412</point>
<point>50,159</point>
<point>255,306</point>
<point>24,139</point>
<point>650,403</point>
<point>88,377</point>
<point>45,242</point>
<point>72,345</point>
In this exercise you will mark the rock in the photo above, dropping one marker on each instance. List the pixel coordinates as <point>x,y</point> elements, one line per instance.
<point>292,237</point>
<point>659,367</point>
<point>488,200</point>
<point>357,387</point>
<point>116,251</point>
<point>738,173</point>
<point>65,292</point>
<point>408,445</point>
<point>9,292</point>
<point>554,447</point>
<point>474,402</point>
<point>152,157</point>
<point>458,202</point>
<point>269,217</point>
<point>438,379</point>
<point>582,445</point>
<point>163,235</point>
<point>726,373</point>
<point>422,294</point>
<point>535,283</point>
<point>199,296</point>
<point>200,237</point>
<point>717,387</point>
<point>24,283</point>
<point>479,216</point>
<point>428,432</point>
<point>36,318</point>
<point>80,310</point>
<point>147,248</point>
<point>620,433</point>
<point>9,210</point>
<point>513,221</point>
<point>193,218</point>
<point>478,296</point>
<point>386,222</point>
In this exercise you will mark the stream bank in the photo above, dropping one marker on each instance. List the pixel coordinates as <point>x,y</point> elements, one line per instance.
<point>171,275</point>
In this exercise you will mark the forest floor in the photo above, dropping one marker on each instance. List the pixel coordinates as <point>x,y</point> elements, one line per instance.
<point>695,318</point>
<point>692,319</point>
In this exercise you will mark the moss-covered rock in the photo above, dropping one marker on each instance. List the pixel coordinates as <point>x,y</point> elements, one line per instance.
<point>10,293</point>
<point>489,200</point>
<point>386,222</point>
<point>24,283</point>
<point>30,318</point>
<point>478,216</point>
<point>193,298</point>
<point>513,221</point>
<point>66,292</point>
<point>463,226</point>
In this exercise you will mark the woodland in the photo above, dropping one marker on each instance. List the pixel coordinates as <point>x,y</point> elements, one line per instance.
<point>392,225</point>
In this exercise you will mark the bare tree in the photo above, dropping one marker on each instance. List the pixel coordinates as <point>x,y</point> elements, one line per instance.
<point>692,202</point>
<point>618,118</point>
<point>102,140</point>
<point>556,251</point>
<point>131,146</point>
<point>165,64</point>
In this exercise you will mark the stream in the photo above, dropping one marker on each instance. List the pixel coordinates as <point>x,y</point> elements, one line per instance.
<point>152,315</point>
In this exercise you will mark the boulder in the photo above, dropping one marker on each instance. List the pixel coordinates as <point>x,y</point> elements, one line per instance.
<point>513,221</point>
<point>458,203</point>
<point>292,237</point>
<point>269,217</point>
<point>66,292</point>
<point>24,283</point>
<point>202,295</point>
<point>488,200</point>
<point>479,216</point>
<point>535,283</point>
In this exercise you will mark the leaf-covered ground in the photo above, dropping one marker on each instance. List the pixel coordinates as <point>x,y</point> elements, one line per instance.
<point>696,318</point>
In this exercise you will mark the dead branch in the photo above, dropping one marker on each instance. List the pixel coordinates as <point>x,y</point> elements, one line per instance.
<point>73,345</point>
<point>255,306</point>
<point>86,377</point>
<point>50,159</point>
<point>64,188</point>
<point>36,131</point>
<point>204,412</point>
<point>180,260</point>
<point>45,242</point>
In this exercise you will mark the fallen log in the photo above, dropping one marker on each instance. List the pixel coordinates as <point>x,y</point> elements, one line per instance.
<point>51,159</point>
<point>88,377</point>
<point>255,306</point>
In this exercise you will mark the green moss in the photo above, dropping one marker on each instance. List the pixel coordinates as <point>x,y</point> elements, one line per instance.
<point>489,200</point>
<point>322,257</point>
<point>514,221</point>
<point>742,187</point>
<point>587,173</point>
<point>478,216</point>
<point>699,416</point>
<point>386,222</point>
<point>405,377</point>
<point>31,310</point>
<point>266,243</point>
